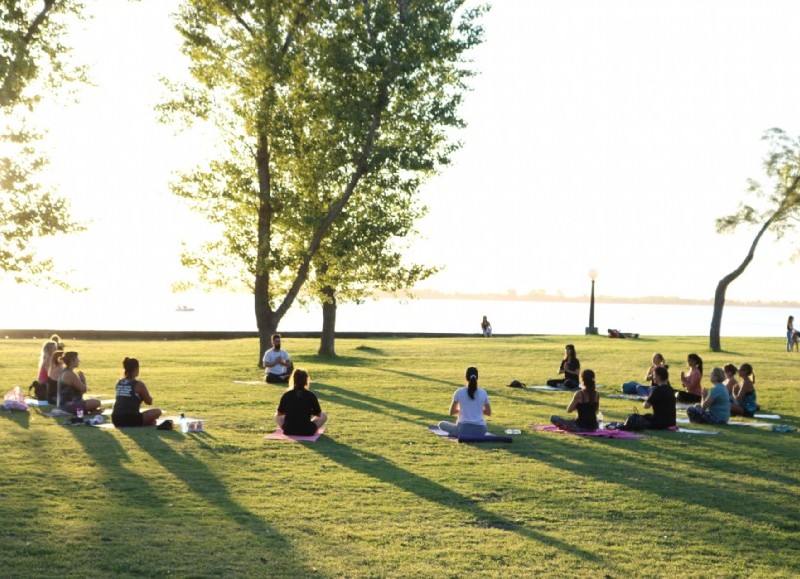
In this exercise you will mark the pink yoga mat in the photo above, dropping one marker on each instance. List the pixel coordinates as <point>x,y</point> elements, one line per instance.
<point>599,433</point>
<point>279,435</point>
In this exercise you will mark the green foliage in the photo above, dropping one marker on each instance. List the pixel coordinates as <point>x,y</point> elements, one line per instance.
<point>780,205</point>
<point>320,103</point>
<point>32,48</point>
<point>377,495</point>
<point>33,61</point>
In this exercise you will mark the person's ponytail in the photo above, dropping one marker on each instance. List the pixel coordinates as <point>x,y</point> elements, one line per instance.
<point>472,381</point>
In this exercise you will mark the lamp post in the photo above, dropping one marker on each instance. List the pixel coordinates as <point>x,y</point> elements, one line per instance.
<point>591,330</point>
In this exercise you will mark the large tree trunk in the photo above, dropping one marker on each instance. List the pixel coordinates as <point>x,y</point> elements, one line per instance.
<point>327,340</point>
<point>722,287</point>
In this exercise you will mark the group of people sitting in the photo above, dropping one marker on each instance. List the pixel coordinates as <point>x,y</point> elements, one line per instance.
<point>298,413</point>
<point>725,397</point>
<point>732,392</point>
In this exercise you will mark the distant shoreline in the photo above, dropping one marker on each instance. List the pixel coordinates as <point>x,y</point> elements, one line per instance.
<point>545,297</point>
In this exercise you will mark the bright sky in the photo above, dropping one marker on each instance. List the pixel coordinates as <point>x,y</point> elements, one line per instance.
<point>602,135</point>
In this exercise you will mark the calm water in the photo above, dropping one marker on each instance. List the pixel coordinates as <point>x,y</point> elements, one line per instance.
<point>235,313</point>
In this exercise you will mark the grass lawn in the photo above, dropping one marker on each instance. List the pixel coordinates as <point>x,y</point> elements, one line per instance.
<point>378,495</point>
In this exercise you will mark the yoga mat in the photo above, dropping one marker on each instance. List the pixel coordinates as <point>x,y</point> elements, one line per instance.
<point>488,437</point>
<point>767,416</point>
<point>547,388</point>
<point>597,433</point>
<point>279,435</point>
<point>732,423</point>
<point>34,402</point>
<point>692,431</point>
<point>249,382</point>
<point>626,397</point>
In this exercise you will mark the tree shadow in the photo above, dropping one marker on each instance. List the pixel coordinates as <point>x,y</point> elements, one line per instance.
<point>378,467</point>
<point>692,485</point>
<point>375,405</point>
<point>420,377</point>
<point>203,483</point>
<point>21,419</point>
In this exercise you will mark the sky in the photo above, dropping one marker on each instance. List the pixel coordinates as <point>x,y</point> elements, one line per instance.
<point>602,136</point>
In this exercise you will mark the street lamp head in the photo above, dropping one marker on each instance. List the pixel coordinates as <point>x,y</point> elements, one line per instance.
<point>593,274</point>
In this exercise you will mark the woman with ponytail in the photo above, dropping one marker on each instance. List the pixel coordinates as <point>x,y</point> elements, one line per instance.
<point>743,396</point>
<point>693,381</point>
<point>299,413</point>
<point>587,402</point>
<point>471,404</point>
<point>130,393</point>
<point>71,387</point>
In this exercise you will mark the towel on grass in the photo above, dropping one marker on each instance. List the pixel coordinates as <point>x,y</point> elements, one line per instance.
<point>249,382</point>
<point>597,433</point>
<point>279,435</point>
<point>692,430</point>
<point>488,437</point>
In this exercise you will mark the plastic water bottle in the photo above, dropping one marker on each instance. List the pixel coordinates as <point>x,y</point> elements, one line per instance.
<point>600,423</point>
<point>513,431</point>
<point>184,423</point>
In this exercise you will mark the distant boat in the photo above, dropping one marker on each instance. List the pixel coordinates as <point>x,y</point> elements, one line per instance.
<point>184,309</point>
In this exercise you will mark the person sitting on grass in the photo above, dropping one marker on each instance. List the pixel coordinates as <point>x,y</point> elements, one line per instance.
<point>277,365</point>
<point>471,404</point>
<point>730,379</point>
<point>72,387</point>
<point>715,405</point>
<point>570,367</point>
<point>299,413</point>
<point>661,399</point>
<point>130,395</point>
<point>46,360</point>
<point>743,397</point>
<point>693,381</point>
<point>587,403</point>
<point>640,389</point>
<point>56,367</point>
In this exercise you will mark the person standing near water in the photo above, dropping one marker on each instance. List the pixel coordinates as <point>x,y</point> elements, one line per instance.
<point>486,328</point>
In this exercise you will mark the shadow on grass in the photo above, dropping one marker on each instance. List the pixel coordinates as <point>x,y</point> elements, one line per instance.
<point>379,406</point>
<point>201,481</point>
<point>421,377</point>
<point>378,467</point>
<point>689,473</point>
<point>21,419</point>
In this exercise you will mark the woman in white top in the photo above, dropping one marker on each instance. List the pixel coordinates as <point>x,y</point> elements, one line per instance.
<point>471,404</point>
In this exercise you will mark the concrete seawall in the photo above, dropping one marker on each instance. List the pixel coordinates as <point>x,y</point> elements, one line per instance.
<point>65,335</point>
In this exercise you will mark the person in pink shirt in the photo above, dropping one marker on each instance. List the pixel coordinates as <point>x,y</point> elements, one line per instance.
<point>692,381</point>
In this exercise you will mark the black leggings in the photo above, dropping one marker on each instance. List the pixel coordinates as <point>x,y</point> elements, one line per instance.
<point>684,396</point>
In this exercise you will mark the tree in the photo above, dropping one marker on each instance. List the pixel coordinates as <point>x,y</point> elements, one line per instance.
<point>314,98</point>
<point>779,213</point>
<point>362,256</point>
<point>33,60</point>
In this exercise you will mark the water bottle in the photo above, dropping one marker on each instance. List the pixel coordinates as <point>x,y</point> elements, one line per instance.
<point>600,423</point>
<point>79,412</point>
<point>184,423</point>
<point>513,431</point>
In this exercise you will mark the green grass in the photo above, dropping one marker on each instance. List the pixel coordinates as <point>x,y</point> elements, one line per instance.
<point>378,495</point>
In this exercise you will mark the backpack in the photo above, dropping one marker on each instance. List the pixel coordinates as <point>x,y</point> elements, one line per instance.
<point>635,422</point>
<point>39,390</point>
<point>516,384</point>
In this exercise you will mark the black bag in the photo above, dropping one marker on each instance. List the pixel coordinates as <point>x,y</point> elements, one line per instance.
<point>39,390</point>
<point>636,422</point>
<point>516,384</point>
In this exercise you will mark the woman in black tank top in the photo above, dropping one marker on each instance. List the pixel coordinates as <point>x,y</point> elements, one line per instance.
<point>586,402</point>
